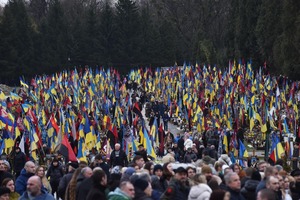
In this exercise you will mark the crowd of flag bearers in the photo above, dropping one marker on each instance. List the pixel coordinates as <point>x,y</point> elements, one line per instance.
<point>219,112</point>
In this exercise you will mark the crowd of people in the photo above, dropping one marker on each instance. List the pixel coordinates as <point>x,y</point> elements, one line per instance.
<point>100,113</point>
<point>142,179</point>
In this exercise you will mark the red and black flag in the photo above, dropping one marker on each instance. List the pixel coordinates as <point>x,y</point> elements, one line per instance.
<point>136,109</point>
<point>67,151</point>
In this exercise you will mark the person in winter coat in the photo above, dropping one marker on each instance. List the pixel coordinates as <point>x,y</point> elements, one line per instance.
<point>19,160</point>
<point>85,186</point>
<point>55,173</point>
<point>124,192</point>
<point>65,180</point>
<point>200,190</point>
<point>178,188</point>
<point>34,190</point>
<point>99,189</point>
<point>143,190</point>
<point>118,157</point>
<point>189,156</point>
<point>70,193</point>
<point>166,119</point>
<point>248,191</point>
<point>26,173</point>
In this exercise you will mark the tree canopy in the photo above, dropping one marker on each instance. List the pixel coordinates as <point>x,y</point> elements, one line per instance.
<point>46,36</point>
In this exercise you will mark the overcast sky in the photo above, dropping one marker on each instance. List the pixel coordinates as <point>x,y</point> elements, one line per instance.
<point>3,2</point>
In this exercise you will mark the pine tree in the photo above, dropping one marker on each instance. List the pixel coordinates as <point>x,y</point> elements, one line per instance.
<point>127,33</point>
<point>16,50</point>
<point>289,47</point>
<point>107,34</point>
<point>55,35</point>
<point>268,29</point>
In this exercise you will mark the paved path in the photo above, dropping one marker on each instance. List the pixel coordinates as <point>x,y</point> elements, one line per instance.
<point>173,128</point>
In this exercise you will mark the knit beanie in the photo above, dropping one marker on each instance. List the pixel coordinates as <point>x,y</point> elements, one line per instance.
<point>157,167</point>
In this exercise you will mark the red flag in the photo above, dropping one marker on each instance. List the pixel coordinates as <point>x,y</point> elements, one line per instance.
<point>66,150</point>
<point>55,126</point>
<point>137,110</point>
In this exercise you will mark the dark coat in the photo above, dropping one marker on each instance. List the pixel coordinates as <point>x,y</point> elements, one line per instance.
<point>121,160</point>
<point>235,195</point>
<point>97,193</point>
<point>142,153</point>
<point>248,191</point>
<point>55,173</point>
<point>63,183</point>
<point>84,189</point>
<point>105,167</point>
<point>176,191</point>
<point>21,181</point>
<point>295,190</point>
<point>190,157</point>
<point>19,161</point>
<point>141,195</point>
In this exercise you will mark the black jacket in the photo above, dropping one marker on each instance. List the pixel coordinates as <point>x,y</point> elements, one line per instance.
<point>97,193</point>
<point>235,195</point>
<point>248,191</point>
<point>63,183</point>
<point>120,160</point>
<point>176,191</point>
<point>84,189</point>
<point>55,173</point>
<point>142,153</point>
<point>141,195</point>
<point>19,161</point>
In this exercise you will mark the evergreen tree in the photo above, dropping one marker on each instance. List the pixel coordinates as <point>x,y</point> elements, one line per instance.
<point>245,24</point>
<point>16,49</point>
<point>127,49</point>
<point>38,10</point>
<point>150,39</point>
<point>268,29</point>
<point>55,35</point>
<point>107,34</point>
<point>289,48</point>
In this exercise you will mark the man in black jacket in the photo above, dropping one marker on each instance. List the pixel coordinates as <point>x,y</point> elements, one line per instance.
<point>178,188</point>
<point>100,162</point>
<point>142,152</point>
<point>63,183</point>
<point>85,186</point>
<point>19,161</point>
<point>118,157</point>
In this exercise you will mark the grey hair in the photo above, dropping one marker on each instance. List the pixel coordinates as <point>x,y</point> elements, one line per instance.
<point>83,170</point>
<point>228,177</point>
<point>145,176</point>
<point>97,169</point>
